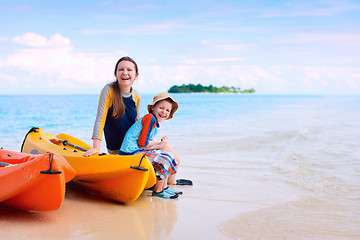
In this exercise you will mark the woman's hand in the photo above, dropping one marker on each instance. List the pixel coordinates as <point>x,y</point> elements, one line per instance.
<point>95,149</point>
<point>91,151</point>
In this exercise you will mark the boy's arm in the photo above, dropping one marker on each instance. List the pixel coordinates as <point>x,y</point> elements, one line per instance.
<point>155,145</point>
<point>148,123</point>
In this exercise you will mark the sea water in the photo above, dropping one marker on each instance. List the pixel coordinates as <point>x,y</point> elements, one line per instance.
<point>284,167</point>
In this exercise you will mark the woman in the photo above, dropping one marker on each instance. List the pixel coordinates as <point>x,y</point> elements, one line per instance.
<point>118,108</point>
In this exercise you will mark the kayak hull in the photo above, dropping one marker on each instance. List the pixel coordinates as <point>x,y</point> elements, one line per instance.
<point>116,177</point>
<point>30,183</point>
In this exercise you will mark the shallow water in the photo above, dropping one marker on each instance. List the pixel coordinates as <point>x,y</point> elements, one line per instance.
<point>264,167</point>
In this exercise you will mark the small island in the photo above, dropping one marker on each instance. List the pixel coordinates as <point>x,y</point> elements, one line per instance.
<point>191,88</point>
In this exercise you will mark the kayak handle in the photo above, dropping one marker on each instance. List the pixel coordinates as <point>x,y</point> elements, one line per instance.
<point>139,167</point>
<point>50,171</point>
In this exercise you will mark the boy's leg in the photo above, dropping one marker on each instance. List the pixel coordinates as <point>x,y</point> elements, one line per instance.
<point>159,190</point>
<point>171,179</point>
<point>159,186</point>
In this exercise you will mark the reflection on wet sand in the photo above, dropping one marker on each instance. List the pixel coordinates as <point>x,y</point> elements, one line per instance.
<point>306,219</point>
<point>164,217</point>
<point>85,216</point>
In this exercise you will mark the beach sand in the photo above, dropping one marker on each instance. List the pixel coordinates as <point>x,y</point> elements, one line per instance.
<point>85,216</point>
<point>244,204</point>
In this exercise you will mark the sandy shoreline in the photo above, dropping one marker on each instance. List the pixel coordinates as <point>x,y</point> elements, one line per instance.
<point>85,216</point>
<point>195,215</point>
<point>241,202</point>
<point>198,212</point>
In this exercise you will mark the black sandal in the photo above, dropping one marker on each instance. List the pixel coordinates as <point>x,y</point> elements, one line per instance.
<point>184,182</point>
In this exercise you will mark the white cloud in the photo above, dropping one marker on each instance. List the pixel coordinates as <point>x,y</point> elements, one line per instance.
<point>4,39</point>
<point>146,29</point>
<point>199,61</point>
<point>205,42</point>
<point>323,38</point>
<point>55,60</point>
<point>303,8</point>
<point>8,78</point>
<point>38,41</point>
<point>53,63</point>
<point>354,83</point>
<point>62,63</point>
<point>275,79</point>
<point>31,39</point>
<point>231,46</point>
<point>59,41</point>
<point>156,77</point>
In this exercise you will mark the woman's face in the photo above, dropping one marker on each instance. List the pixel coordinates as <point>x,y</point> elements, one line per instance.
<point>126,75</point>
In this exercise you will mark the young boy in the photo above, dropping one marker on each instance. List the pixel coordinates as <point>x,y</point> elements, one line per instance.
<point>139,140</point>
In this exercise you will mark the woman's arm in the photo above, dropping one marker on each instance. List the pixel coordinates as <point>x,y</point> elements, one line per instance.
<point>103,107</point>
<point>105,102</point>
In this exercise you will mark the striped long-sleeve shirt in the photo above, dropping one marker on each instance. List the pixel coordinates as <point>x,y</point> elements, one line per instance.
<point>115,129</point>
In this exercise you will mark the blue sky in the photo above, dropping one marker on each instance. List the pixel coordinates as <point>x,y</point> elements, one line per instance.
<point>275,47</point>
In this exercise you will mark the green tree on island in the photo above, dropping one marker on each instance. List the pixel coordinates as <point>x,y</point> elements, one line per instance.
<point>191,88</point>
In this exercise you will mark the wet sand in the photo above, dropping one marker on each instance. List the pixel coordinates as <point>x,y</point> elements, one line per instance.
<point>205,211</point>
<point>85,216</point>
<point>235,198</point>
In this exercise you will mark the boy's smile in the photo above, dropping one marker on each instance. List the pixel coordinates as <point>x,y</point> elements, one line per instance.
<point>162,110</point>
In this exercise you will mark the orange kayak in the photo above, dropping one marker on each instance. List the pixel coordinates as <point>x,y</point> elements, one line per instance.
<point>33,182</point>
<point>116,177</point>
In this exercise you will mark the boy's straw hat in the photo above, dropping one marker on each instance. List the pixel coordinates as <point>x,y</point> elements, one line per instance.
<point>163,96</point>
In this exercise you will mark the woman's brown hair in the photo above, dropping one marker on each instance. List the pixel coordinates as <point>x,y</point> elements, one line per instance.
<point>117,100</point>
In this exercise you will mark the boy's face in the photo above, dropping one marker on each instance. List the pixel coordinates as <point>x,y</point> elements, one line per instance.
<point>161,110</point>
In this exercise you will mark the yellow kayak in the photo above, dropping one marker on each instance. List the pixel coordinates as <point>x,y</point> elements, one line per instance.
<point>116,177</point>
